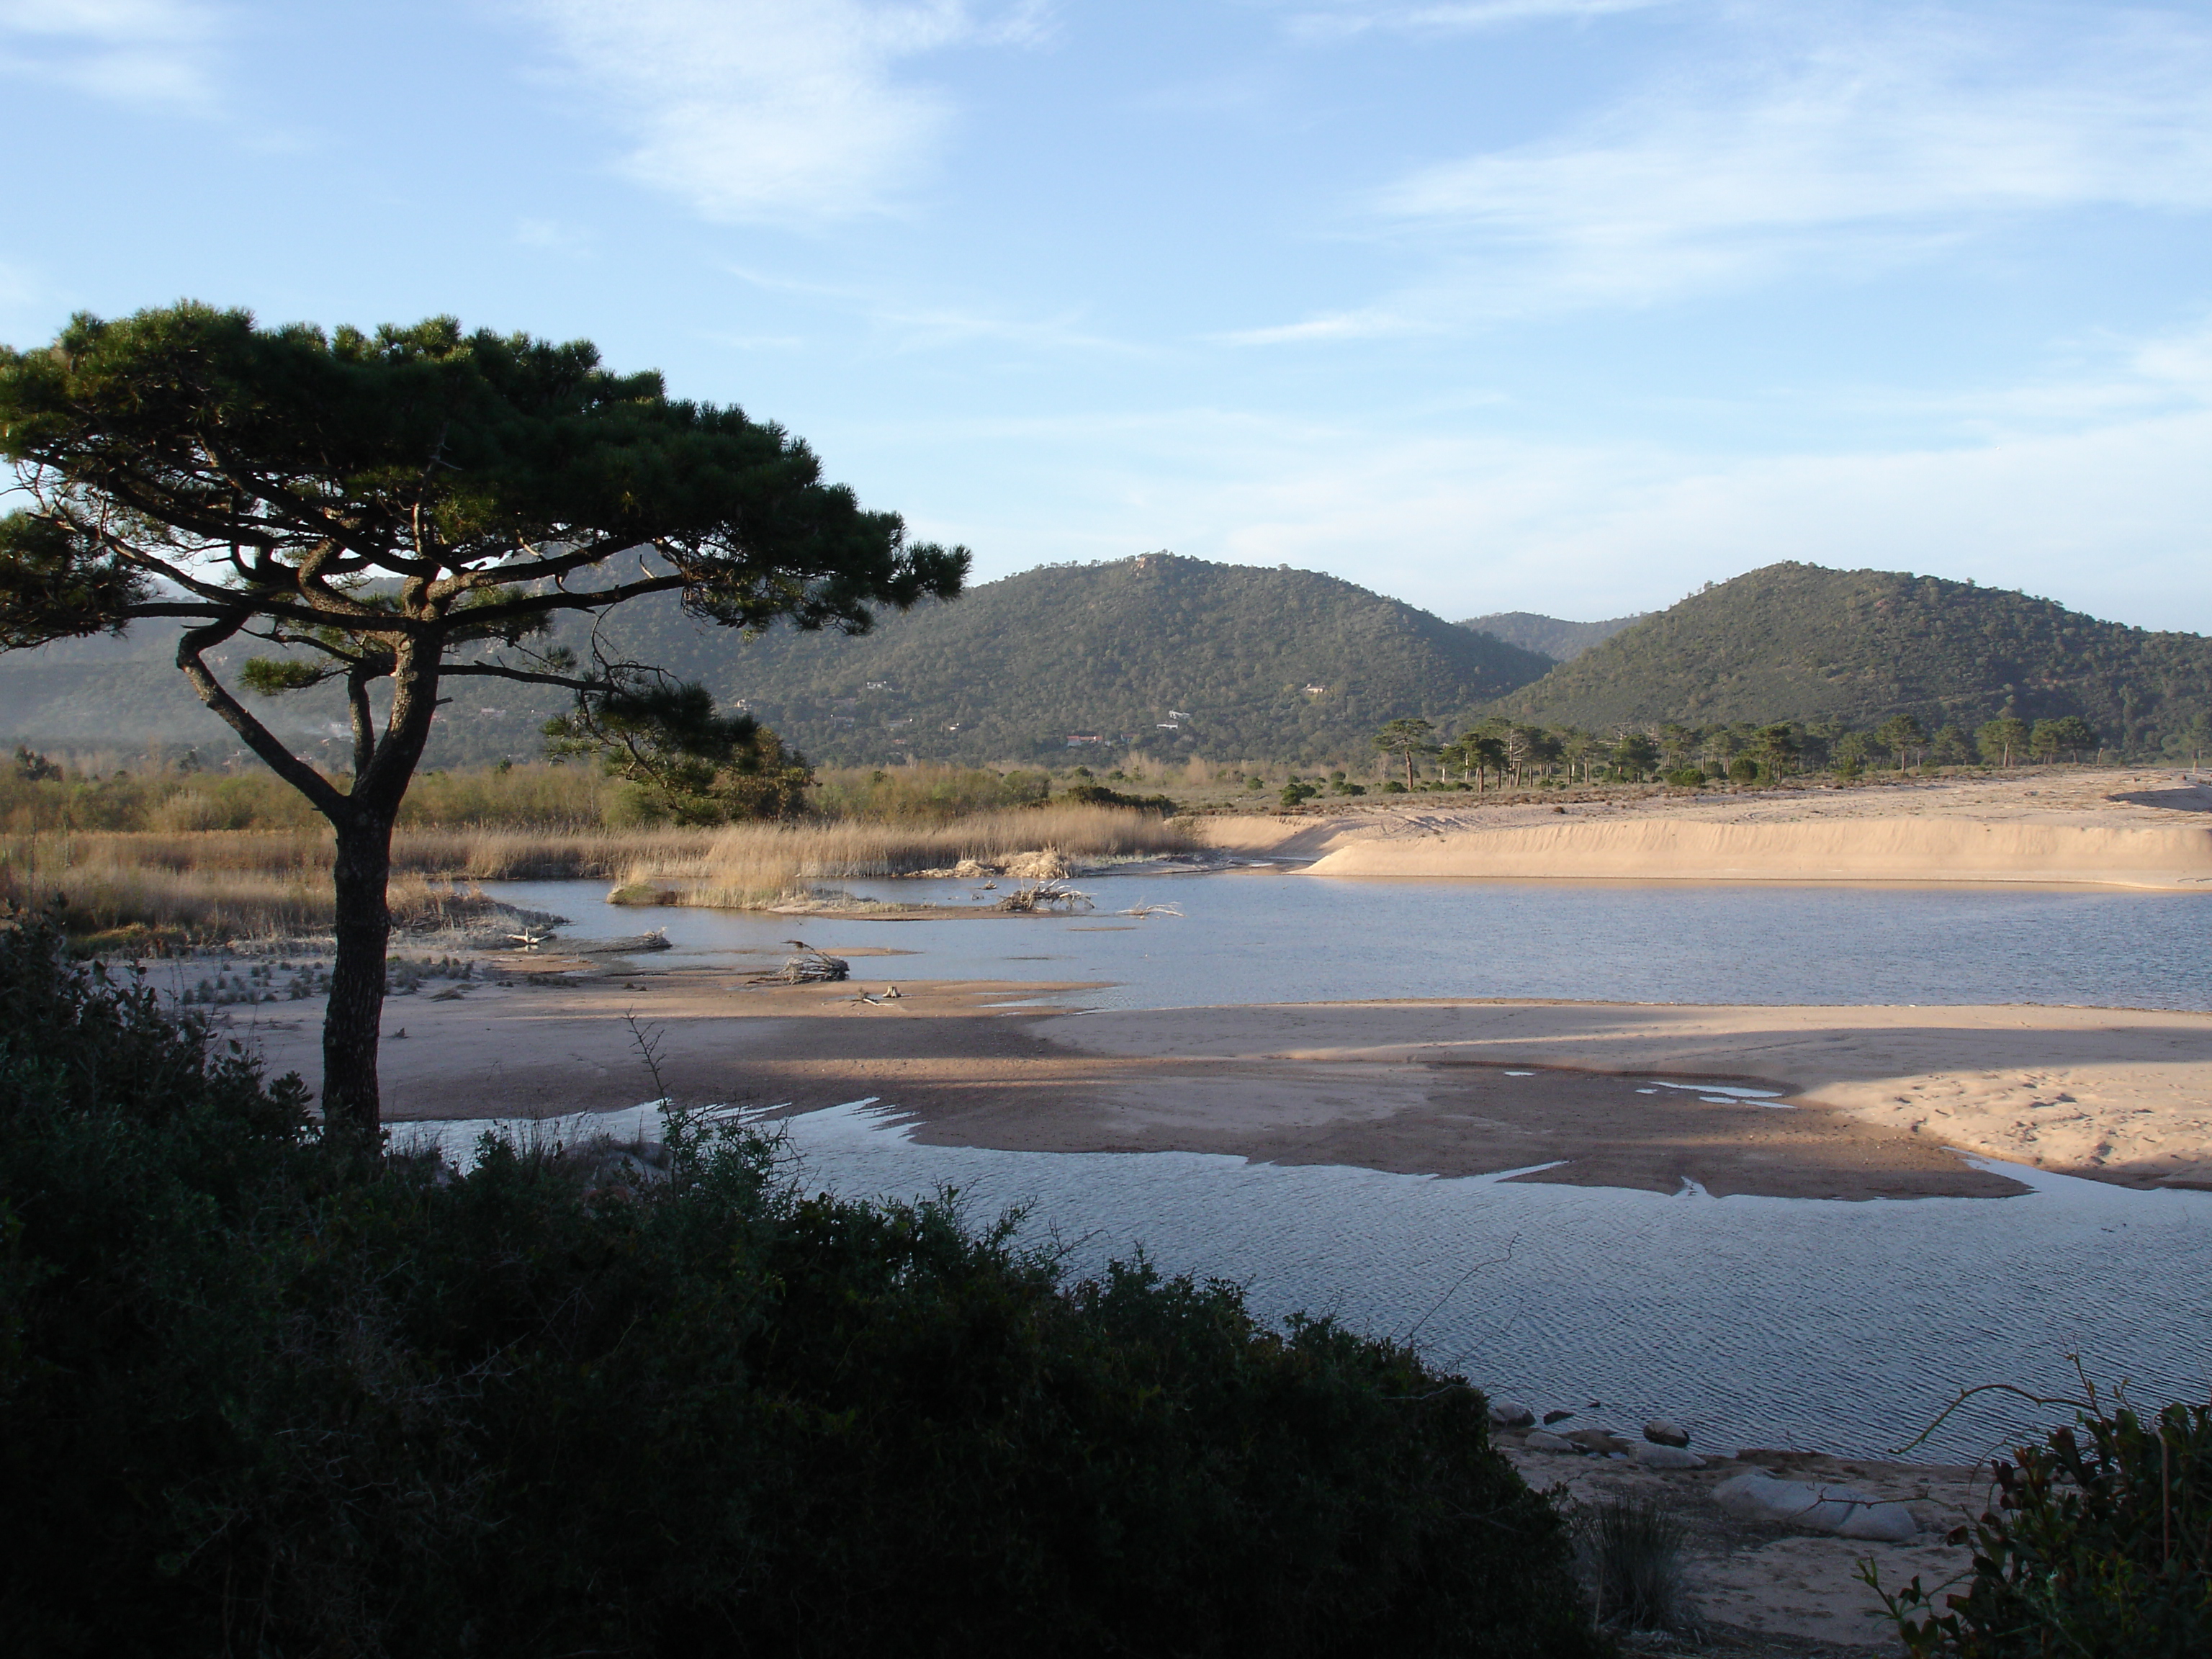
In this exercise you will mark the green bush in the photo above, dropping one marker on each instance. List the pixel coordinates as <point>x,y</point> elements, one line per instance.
<point>1098,794</point>
<point>1296,793</point>
<point>1743,770</point>
<point>2100,1547</point>
<point>263,1399</point>
<point>1686,777</point>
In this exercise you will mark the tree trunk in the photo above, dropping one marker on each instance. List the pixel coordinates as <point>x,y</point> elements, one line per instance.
<point>352,1025</point>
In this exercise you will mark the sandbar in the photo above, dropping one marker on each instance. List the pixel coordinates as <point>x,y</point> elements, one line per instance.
<point>2101,827</point>
<point>1869,1103</point>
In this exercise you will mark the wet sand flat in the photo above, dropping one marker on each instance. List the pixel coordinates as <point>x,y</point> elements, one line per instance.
<point>1881,1096</point>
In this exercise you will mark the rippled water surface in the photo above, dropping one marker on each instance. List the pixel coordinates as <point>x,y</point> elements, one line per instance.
<point>1262,937</point>
<point>1843,1327</point>
<point>1756,1321</point>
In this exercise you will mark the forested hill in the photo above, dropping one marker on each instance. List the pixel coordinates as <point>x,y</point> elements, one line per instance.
<point>1562,641</point>
<point>1179,656</point>
<point>1175,655</point>
<point>1796,641</point>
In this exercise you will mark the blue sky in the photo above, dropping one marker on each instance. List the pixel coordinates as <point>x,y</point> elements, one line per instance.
<point>1566,305</point>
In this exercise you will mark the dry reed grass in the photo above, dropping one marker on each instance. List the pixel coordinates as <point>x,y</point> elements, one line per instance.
<point>756,863</point>
<point>245,883</point>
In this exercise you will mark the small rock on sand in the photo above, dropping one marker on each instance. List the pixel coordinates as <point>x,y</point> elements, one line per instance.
<point>1661,1432</point>
<point>1597,1440</point>
<point>1544,1441</point>
<point>1510,1414</point>
<point>1653,1455</point>
<point>1844,1510</point>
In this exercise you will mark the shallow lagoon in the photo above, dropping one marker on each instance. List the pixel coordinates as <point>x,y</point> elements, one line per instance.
<point>1759,1320</point>
<point>1258,936</point>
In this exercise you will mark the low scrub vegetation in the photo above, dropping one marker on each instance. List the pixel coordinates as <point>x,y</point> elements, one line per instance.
<point>2099,1548</point>
<point>278,1400</point>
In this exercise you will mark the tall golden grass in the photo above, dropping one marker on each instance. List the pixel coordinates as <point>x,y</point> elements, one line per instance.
<point>172,802</point>
<point>244,884</point>
<point>234,886</point>
<point>756,863</point>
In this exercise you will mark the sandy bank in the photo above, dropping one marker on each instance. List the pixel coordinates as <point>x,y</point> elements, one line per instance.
<point>2129,829</point>
<point>1789,1587</point>
<point>1611,1095</point>
<point>2120,1094</point>
<point>1895,849</point>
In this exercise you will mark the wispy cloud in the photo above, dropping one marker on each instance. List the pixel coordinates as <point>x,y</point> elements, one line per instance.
<point>1803,142</point>
<point>2091,490</point>
<point>143,53</point>
<point>753,110</point>
<point>1913,137</point>
<point>1339,22</point>
<point>913,326</point>
<point>2110,518</point>
<point>1337,325</point>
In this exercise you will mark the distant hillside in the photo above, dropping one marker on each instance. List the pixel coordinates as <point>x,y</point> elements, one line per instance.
<point>127,695</point>
<point>1562,641</point>
<point>1174,655</point>
<point>1796,641</point>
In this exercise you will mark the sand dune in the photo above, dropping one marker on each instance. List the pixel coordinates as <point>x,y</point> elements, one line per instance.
<point>1879,849</point>
<point>2128,829</point>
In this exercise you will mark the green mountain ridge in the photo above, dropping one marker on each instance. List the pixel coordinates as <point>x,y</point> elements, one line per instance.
<point>1549,636</point>
<point>1179,657</point>
<point>1173,655</point>
<point>1799,642</point>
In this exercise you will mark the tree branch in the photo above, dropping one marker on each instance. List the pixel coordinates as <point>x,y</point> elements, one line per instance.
<point>280,760</point>
<point>497,670</point>
<point>539,604</point>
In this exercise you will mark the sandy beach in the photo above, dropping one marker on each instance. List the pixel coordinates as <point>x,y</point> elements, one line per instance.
<point>2105,826</point>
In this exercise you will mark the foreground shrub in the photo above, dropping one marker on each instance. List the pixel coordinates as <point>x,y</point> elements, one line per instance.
<point>2100,1547</point>
<point>264,1400</point>
<point>1632,1553</point>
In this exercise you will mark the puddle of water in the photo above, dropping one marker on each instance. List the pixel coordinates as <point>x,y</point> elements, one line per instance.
<point>1715,1094</point>
<point>1815,1323</point>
